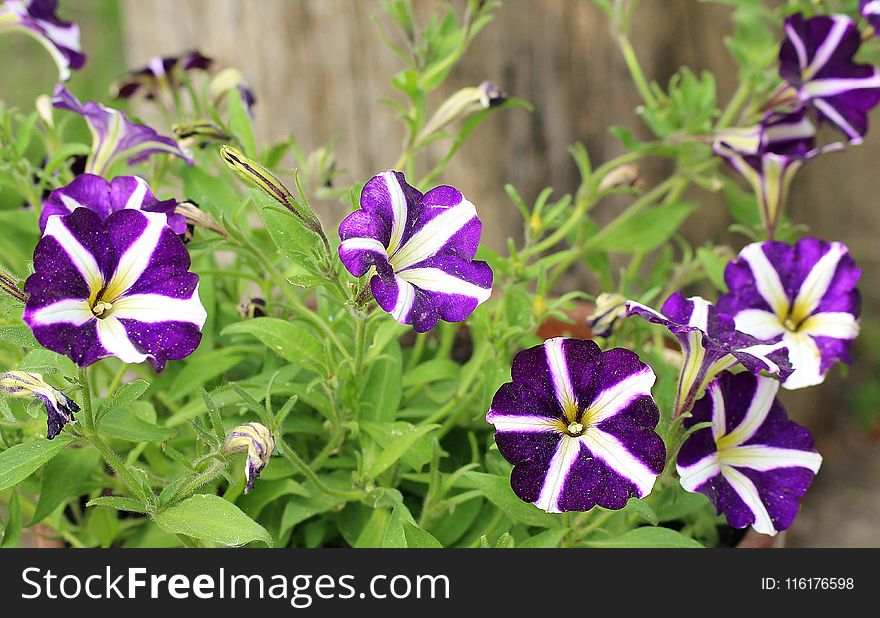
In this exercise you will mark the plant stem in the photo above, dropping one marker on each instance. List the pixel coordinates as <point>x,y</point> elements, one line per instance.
<point>736,102</point>
<point>635,70</point>
<point>202,478</point>
<point>303,467</point>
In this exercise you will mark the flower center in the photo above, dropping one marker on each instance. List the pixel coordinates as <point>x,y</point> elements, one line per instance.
<point>101,309</point>
<point>575,429</point>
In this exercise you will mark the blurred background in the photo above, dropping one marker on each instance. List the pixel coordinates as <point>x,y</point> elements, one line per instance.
<point>320,69</point>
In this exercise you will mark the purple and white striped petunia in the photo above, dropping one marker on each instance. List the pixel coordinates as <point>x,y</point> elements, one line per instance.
<point>114,136</point>
<point>753,463</point>
<point>578,426</point>
<point>816,59</point>
<point>870,10</point>
<point>118,286</point>
<point>711,344</point>
<point>60,408</point>
<point>161,76</point>
<point>37,19</point>
<point>102,197</point>
<point>420,248</point>
<point>769,155</point>
<point>801,295</point>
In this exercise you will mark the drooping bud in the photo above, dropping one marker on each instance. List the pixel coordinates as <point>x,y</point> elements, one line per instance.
<point>198,134</point>
<point>463,104</point>
<point>610,308</point>
<point>196,217</point>
<point>253,308</point>
<point>623,176</point>
<point>229,79</point>
<point>59,407</point>
<point>256,440</point>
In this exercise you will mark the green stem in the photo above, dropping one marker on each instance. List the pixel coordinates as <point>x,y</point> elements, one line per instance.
<point>303,467</point>
<point>635,70</point>
<point>360,346</point>
<point>735,104</point>
<point>202,478</point>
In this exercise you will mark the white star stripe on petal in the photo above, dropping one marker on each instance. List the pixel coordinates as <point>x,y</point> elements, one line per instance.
<point>798,44</point>
<point>806,360</point>
<point>559,372</point>
<point>69,311</point>
<point>525,423</point>
<point>617,397</point>
<point>836,324</point>
<point>832,87</point>
<point>136,199</point>
<point>436,280</point>
<point>406,296</point>
<point>828,46</point>
<point>115,340</point>
<point>428,240</point>
<point>563,459</point>
<point>763,458</point>
<point>151,308</point>
<point>700,314</point>
<point>362,244</point>
<point>759,323</point>
<point>79,256</point>
<point>759,408</point>
<point>748,493</point>
<point>766,278</point>
<point>398,209</point>
<point>615,455</point>
<point>136,258</point>
<point>838,119</point>
<point>719,411</point>
<point>817,281</point>
<point>695,475</point>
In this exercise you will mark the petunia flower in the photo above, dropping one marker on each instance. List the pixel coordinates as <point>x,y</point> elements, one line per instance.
<point>711,344</point>
<point>578,426</point>
<point>59,407</point>
<point>769,155</point>
<point>753,463</point>
<point>37,19</point>
<point>870,10</point>
<point>420,249</point>
<point>161,77</point>
<point>816,59</point>
<point>802,295</point>
<point>114,136</point>
<point>259,444</point>
<point>103,198</point>
<point>117,286</point>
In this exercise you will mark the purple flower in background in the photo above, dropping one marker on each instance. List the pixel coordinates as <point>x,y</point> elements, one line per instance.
<point>37,18</point>
<point>228,80</point>
<point>816,59</point>
<point>578,426</point>
<point>259,444</point>
<point>769,155</point>
<point>711,344</point>
<point>59,407</point>
<point>114,136</point>
<point>102,197</point>
<point>803,296</point>
<point>118,286</point>
<point>753,463</point>
<point>421,248</point>
<point>160,77</point>
<point>871,11</point>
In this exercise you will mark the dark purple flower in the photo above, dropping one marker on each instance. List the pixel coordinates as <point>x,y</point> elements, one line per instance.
<point>803,296</point>
<point>753,463</point>
<point>871,11</point>
<point>420,249</point>
<point>816,59</point>
<point>578,426</point>
<point>37,18</point>
<point>59,407</point>
<point>258,442</point>
<point>102,197</point>
<point>769,155</point>
<point>711,344</point>
<point>118,286</point>
<point>114,136</point>
<point>161,76</point>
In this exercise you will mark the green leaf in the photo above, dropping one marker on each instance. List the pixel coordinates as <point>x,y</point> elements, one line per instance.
<point>497,490</point>
<point>547,539</point>
<point>267,492</point>
<point>644,231</point>
<point>648,537</point>
<point>19,336</point>
<point>381,396</point>
<point>292,341</point>
<point>201,369</point>
<point>299,509</point>
<point>394,440</point>
<point>12,532</point>
<point>287,231</point>
<point>127,423</point>
<point>64,477</point>
<point>240,122</point>
<point>22,460</point>
<point>713,265</point>
<point>418,538</point>
<point>119,503</point>
<point>634,505</point>
<point>125,395</point>
<point>431,371</point>
<point>211,518</point>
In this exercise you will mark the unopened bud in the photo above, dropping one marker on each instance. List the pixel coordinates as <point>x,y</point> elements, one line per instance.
<point>622,176</point>
<point>25,384</point>
<point>259,444</point>
<point>610,308</point>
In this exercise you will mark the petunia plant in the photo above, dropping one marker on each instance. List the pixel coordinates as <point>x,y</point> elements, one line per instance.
<point>210,340</point>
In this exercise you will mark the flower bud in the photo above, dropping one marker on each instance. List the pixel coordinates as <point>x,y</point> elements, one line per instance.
<point>254,308</point>
<point>623,176</point>
<point>9,286</point>
<point>259,444</point>
<point>463,104</point>
<point>610,308</point>
<point>229,79</point>
<point>198,134</point>
<point>59,407</point>
<point>196,217</point>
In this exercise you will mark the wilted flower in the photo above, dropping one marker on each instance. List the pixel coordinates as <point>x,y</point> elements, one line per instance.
<point>195,217</point>
<point>118,286</point>
<point>816,60</point>
<point>578,426</point>
<point>259,444</point>
<point>803,296</point>
<point>59,407</point>
<point>253,308</point>
<point>421,248</point>
<point>231,79</point>
<point>753,463</point>
<point>103,198</point>
<point>463,104</point>
<point>161,77</point>
<point>769,155</point>
<point>37,19</point>
<point>711,344</point>
<point>610,308</point>
<point>114,136</point>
